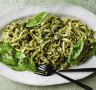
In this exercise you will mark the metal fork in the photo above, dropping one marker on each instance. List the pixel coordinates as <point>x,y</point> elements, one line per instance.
<point>47,70</point>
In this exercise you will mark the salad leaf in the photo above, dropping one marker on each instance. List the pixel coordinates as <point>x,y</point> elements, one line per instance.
<point>15,60</point>
<point>77,49</point>
<point>36,19</point>
<point>32,64</point>
<point>4,47</point>
<point>20,55</point>
<point>76,52</point>
<point>8,59</point>
<point>7,54</point>
<point>27,64</point>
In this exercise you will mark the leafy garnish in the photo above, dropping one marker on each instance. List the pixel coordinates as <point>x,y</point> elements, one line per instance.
<point>25,64</point>
<point>20,55</point>
<point>76,51</point>
<point>4,47</point>
<point>36,19</point>
<point>7,54</point>
<point>14,59</point>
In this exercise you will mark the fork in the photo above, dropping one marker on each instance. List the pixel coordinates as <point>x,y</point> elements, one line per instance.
<point>47,70</point>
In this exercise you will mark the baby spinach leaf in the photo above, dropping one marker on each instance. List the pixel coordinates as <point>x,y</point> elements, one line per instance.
<point>8,60</point>
<point>15,60</point>
<point>20,55</point>
<point>36,19</point>
<point>7,54</point>
<point>4,47</point>
<point>32,64</point>
<point>26,64</point>
<point>76,51</point>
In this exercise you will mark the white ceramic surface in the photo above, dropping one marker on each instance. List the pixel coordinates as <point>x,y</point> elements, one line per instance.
<point>63,10</point>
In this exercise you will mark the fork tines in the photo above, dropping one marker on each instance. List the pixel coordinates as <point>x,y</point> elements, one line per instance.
<point>41,70</point>
<point>41,67</point>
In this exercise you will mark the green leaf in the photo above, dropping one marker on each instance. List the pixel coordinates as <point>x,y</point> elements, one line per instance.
<point>20,55</point>
<point>7,54</point>
<point>26,64</point>
<point>32,64</point>
<point>76,51</point>
<point>15,60</point>
<point>8,60</point>
<point>5,47</point>
<point>36,19</point>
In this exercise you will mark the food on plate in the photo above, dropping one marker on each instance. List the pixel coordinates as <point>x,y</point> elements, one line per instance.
<point>46,38</point>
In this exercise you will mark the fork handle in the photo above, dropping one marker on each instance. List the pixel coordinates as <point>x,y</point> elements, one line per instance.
<point>79,70</point>
<point>74,81</point>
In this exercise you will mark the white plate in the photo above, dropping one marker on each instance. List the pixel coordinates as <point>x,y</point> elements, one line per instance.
<point>63,10</point>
